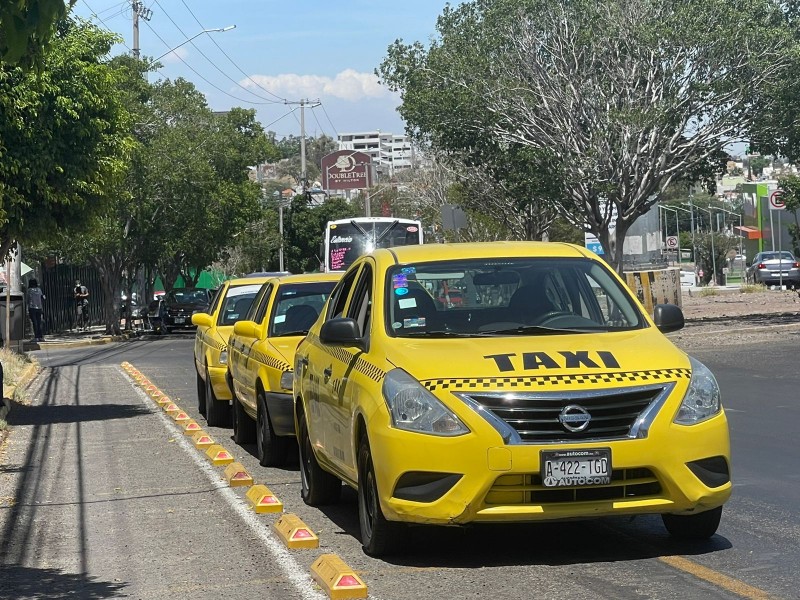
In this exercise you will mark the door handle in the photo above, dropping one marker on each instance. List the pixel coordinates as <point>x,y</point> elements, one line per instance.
<point>327,372</point>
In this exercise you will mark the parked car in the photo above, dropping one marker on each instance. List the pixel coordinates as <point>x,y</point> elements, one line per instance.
<point>178,306</point>
<point>774,268</point>
<point>564,400</point>
<point>214,327</point>
<point>261,360</point>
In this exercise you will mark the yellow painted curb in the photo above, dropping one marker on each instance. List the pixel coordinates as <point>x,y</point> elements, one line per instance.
<point>164,401</point>
<point>180,417</point>
<point>337,579</point>
<point>202,440</point>
<point>191,427</point>
<point>172,409</point>
<point>295,533</point>
<point>237,475</point>
<point>218,455</point>
<point>263,500</point>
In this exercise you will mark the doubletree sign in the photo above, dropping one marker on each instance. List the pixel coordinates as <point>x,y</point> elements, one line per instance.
<point>346,170</point>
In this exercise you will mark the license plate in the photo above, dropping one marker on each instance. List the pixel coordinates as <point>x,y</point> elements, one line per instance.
<point>576,468</point>
<point>179,320</point>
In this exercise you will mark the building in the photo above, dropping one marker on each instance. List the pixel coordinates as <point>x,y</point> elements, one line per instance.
<point>388,152</point>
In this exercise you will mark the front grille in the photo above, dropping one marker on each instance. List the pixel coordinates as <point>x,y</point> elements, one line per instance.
<point>528,489</point>
<point>535,417</point>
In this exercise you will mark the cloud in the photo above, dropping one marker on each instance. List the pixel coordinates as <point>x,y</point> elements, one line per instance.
<point>347,85</point>
<point>176,56</point>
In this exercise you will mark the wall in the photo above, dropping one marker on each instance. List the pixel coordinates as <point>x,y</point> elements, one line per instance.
<point>662,286</point>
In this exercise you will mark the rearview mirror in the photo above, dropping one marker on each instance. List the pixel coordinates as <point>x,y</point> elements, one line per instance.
<point>341,331</point>
<point>496,278</point>
<point>201,319</point>
<point>247,329</point>
<point>668,317</point>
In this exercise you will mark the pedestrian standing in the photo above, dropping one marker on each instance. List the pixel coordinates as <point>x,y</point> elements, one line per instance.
<point>36,309</point>
<point>81,294</point>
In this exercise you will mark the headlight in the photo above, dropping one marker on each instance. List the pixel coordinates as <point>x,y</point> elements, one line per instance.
<point>287,379</point>
<point>413,408</point>
<point>223,357</point>
<point>702,399</point>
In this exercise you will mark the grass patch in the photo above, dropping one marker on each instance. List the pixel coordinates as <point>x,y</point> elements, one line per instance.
<point>708,291</point>
<point>752,288</point>
<point>14,365</point>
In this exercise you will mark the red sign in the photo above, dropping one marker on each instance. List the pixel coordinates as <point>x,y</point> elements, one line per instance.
<point>346,170</point>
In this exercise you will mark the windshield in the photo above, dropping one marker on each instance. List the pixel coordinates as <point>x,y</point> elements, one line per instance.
<point>512,296</point>
<point>297,307</point>
<point>237,303</point>
<point>348,241</point>
<point>196,297</point>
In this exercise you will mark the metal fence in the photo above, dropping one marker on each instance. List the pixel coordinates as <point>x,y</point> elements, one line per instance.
<point>58,284</point>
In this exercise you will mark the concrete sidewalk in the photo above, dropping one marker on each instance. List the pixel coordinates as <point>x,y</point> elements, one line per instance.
<point>74,338</point>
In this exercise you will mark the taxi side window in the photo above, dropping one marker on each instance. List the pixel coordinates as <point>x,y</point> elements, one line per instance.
<point>340,294</point>
<point>360,306</point>
<point>217,299</point>
<point>259,307</point>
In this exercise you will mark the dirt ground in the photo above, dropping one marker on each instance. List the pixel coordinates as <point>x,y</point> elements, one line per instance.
<point>734,303</point>
<point>731,317</point>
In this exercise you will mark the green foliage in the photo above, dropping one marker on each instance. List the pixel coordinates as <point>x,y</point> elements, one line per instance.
<point>26,27</point>
<point>791,196</point>
<point>62,135</point>
<point>304,227</point>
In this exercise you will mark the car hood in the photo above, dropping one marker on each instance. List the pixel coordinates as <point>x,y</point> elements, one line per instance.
<point>184,305</point>
<point>601,359</point>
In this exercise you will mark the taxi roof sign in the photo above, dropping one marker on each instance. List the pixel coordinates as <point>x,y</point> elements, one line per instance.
<point>237,475</point>
<point>263,500</point>
<point>294,533</point>
<point>337,579</point>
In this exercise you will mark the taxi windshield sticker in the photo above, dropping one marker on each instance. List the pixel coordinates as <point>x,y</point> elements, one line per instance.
<point>407,303</point>
<point>414,322</point>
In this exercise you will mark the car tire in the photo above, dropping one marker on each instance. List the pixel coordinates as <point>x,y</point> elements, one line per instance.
<point>244,428</point>
<point>378,536</point>
<point>201,395</point>
<point>218,413</point>
<point>271,449</point>
<point>693,527</point>
<point>317,487</point>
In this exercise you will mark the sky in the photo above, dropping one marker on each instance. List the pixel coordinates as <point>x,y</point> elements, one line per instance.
<point>279,53</point>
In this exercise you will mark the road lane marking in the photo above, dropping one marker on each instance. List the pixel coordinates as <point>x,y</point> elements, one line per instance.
<point>735,586</point>
<point>296,574</point>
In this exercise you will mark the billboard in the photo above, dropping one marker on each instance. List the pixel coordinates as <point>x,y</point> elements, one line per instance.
<point>346,170</point>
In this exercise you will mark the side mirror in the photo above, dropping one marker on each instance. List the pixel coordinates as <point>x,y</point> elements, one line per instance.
<point>668,317</point>
<point>247,329</point>
<point>201,319</point>
<point>341,332</point>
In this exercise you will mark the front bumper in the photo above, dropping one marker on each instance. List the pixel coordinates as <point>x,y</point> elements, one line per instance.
<point>476,478</point>
<point>281,413</point>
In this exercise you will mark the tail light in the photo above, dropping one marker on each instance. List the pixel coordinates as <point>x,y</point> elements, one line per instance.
<point>762,266</point>
<point>796,265</point>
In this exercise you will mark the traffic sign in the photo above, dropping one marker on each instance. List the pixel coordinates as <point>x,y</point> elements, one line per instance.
<point>672,242</point>
<point>776,201</point>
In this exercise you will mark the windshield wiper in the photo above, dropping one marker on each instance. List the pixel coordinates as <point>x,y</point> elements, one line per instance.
<point>288,333</point>
<point>536,329</point>
<point>443,334</point>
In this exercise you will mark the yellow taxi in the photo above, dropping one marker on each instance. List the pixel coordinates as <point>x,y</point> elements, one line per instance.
<point>230,304</point>
<point>545,393</point>
<point>260,364</point>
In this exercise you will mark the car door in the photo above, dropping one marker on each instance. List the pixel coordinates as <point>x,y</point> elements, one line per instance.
<point>351,376</point>
<point>201,338</point>
<point>319,363</point>
<point>240,347</point>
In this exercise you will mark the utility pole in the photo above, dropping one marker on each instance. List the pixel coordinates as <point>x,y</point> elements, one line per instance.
<point>138,10</point>
<point>303,172</point>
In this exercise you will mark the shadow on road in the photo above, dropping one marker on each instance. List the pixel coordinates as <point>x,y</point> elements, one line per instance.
<point>44,584</point>
<point>47,414</point>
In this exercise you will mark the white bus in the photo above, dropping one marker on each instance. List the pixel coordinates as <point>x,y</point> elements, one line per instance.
<point>347,239</point>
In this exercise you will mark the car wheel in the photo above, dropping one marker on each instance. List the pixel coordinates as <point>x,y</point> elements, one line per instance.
<point>693,527</point>
<point>272,449</point>
<point>218,413</point>
<point>378,536</point>
<point>244,428</point>
<point>201,395</point>
<point>317,487</point>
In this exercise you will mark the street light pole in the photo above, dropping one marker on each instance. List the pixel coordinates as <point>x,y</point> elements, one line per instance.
<point>187,40</point>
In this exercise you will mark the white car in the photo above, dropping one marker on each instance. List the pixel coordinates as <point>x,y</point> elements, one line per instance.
<point>688,279</point>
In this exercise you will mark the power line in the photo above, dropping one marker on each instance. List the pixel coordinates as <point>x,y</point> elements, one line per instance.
<point>213,64</point>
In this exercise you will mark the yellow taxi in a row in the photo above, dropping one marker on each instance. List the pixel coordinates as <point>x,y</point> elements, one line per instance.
<point>547,392</point>
<point>261,359</point>
<point>230,304</point>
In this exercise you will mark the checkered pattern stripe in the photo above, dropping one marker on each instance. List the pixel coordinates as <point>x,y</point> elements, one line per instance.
<point>271,361</point>
<point>345,356</point>
<point>214,343</point>
<point>536,381</point>
<point>370,370</point>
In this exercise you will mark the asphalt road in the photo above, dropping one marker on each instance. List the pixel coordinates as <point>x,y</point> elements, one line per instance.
<point>101,496</point>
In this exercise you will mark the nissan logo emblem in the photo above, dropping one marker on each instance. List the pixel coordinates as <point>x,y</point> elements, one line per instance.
<point>574,418</point>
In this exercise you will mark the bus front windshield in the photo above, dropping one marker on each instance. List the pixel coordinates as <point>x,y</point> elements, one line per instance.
<point>348,241</point>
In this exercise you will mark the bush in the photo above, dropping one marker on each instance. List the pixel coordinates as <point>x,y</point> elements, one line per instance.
<point>708,291</point>
<point>751,288</point>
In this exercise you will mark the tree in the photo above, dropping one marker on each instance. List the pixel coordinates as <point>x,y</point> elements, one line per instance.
<point>791,196</point>
<point>623,97</point>
<point>62,133</point>
<point>26,27</point>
